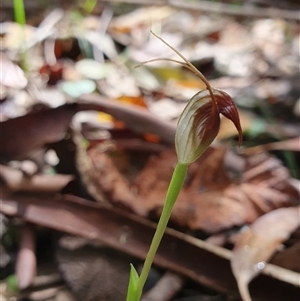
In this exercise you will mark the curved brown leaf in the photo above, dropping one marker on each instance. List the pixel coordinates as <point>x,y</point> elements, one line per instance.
<point>22,136</point>
<point>258,243</point>
<point>211,200</point>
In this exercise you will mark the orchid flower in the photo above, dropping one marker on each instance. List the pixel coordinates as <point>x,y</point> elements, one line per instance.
<point>197,127</point>
<point>199,123</point>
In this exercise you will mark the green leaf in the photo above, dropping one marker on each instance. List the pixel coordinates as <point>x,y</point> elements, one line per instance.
<point>12,284</point>
<point>132,285</point>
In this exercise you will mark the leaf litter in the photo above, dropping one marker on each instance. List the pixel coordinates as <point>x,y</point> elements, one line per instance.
<point>257,243</point>
<point>128,165</point>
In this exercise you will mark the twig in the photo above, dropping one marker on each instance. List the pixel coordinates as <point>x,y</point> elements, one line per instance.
<point>26,259</point>
<point>43,282</point>
<point>104,21</point>
<point>221,8</point>
<point>46,28</point>
<point>270,269</point>
<point>45,294</point>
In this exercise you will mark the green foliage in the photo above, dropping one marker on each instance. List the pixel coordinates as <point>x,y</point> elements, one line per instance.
<point>12,284</point>
<point>19,12</point>
<point>20,18</point>
<point>133,283</point>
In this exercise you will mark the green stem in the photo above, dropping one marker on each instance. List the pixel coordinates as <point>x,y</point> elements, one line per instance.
<point>175,186</point>
<point>19,12</point>
<point>20,18</point>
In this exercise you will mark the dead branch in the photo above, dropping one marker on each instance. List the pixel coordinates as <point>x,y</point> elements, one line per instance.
<point>220,8</point>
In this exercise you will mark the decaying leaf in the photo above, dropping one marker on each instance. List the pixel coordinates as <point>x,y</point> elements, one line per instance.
<point>257,244</point>
<point>211,200</point>
<point>21,137</point>
<point>132,235</point>
<point>104,179</point>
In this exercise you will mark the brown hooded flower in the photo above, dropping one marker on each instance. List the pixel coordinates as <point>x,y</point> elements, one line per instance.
<point>199,123</point>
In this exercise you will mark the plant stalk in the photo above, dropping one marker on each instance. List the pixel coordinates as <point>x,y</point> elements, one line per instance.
<point>19,12</point>
<point>20,18</point>
<point>175,186</point>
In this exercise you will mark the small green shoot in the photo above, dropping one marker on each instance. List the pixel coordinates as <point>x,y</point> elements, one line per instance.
<point>133,282</point>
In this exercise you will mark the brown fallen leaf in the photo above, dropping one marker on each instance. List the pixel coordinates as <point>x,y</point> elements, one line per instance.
<point>257,244</point>
<point>103,178</point>
<point>21,137</point>
<point>136,118</point>
<point>132,235</point>
<point>267,171</point>
<point>211,200</point>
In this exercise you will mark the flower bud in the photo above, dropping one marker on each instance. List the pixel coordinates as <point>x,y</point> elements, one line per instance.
<point>199,123</point>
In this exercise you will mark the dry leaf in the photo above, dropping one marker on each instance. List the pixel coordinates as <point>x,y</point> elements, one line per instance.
<point>211,200</point>
<point>22,136</point>
<point>104,178</point>
<point>258,243</point>
<point>132,235</point>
